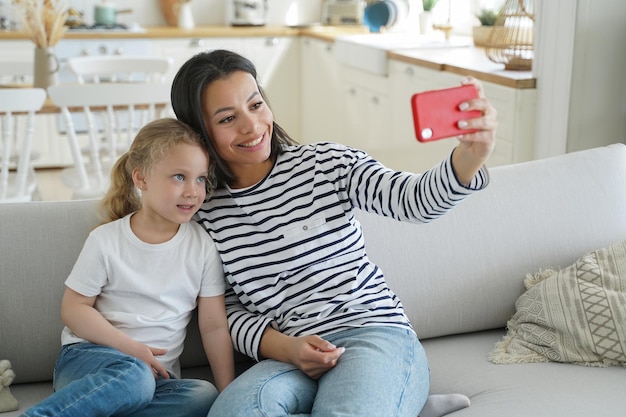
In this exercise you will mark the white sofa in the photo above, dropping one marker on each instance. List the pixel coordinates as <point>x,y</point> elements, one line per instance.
<point>458,277</point>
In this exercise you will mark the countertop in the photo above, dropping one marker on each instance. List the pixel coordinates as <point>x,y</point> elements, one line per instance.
<point>463,61</point>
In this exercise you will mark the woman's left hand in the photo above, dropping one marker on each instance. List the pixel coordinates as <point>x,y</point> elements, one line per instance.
<point>474,148</point>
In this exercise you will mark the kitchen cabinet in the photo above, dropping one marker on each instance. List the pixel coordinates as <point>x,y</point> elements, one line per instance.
<point>340,104</point>
<point>406,80</point>
<point>321,82</point>
<point>276,60</point>
<point>366,111</point>
<point>515,107</point>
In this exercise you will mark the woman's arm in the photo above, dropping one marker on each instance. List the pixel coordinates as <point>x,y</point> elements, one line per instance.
<point>311,354</point>
<point>216,339</point>
<point>78,313</point>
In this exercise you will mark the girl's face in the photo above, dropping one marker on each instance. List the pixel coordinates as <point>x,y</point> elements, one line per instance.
<point>175,187</point>
<point>239,123</point>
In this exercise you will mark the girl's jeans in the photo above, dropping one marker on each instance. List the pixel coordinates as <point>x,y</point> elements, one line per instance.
<point>94,380</point>
<point>383,372</point>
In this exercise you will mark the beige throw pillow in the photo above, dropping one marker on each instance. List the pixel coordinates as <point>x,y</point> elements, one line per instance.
<point>575,315</point>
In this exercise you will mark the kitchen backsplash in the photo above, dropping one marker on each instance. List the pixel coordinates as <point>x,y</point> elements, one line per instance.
<point>205,12</point>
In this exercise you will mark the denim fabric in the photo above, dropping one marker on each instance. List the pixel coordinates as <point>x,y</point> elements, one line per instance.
<point>94,380</point>
<point>383,372</point>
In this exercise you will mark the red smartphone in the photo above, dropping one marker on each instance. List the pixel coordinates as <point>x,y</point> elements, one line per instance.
<point>436,113</point>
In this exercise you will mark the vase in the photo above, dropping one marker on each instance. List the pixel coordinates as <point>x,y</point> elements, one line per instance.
<point>167,9</point>
<point>46,68</point>
<point>185,15</point>
<point>480,35</point>
<point>426,23</point>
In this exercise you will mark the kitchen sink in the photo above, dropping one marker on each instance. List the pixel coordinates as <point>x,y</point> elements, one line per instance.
<point>368,52</point>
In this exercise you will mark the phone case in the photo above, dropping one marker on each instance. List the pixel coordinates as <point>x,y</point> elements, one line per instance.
<point>436,113</point>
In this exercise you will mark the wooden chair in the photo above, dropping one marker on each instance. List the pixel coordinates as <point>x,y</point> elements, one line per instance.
<point>120,68</point>
<point>126,107</point>
<point>17,113</point>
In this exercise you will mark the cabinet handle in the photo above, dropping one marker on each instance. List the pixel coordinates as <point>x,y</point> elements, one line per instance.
<point>329,47</point>
<point>409,71</point>
<point>375,99</point>
<point>196,43</point>
<point>273,41</point>
<point>352,91</point>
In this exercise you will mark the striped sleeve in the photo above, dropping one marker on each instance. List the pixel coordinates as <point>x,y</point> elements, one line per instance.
<point>406,196</point>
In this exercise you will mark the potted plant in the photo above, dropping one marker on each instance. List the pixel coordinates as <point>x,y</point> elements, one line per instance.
<point>487,18</point>
<point>426,17</point>
<point>429,4</point>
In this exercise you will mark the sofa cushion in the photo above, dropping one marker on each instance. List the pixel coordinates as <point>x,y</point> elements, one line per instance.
<point>460,363</point>
<point>576,315</point>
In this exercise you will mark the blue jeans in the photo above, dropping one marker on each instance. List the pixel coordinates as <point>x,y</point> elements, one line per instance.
<point>383,372</point>
<point>94,380</point>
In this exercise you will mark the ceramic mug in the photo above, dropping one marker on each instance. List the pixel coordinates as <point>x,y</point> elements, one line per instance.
<point>106,14</point>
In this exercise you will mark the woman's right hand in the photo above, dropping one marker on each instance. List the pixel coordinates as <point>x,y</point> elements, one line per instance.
<point>311,354</point>
<point>315,356</point>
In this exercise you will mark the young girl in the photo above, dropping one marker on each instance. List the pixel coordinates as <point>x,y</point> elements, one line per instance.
<point>132,291</point>
<point>304,299</point>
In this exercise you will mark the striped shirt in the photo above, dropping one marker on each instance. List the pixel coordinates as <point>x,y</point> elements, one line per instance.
<point>293,252</point>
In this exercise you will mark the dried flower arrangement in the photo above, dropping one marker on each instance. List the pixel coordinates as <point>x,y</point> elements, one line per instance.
<point>44,21</point>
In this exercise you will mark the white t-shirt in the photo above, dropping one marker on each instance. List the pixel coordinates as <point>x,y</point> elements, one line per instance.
<point>147,290</point>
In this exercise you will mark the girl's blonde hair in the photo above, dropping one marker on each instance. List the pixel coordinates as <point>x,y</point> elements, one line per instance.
<point>152,143</point>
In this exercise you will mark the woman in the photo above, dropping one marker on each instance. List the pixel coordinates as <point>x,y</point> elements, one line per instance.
<point>303,294</point>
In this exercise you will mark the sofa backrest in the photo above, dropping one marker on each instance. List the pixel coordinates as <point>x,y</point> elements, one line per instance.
<point>460,273</point>
<point>464,271</point>
<point>39,244</point>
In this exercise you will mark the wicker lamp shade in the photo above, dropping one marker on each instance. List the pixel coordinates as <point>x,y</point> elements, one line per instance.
<point>512,39</point>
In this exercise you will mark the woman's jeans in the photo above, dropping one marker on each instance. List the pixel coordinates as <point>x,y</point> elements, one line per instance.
<point>94,380</point>
<point>383,372</point>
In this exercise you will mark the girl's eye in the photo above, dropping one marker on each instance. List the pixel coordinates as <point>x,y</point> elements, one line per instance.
<point>179,177</point>
<point>202,180</point>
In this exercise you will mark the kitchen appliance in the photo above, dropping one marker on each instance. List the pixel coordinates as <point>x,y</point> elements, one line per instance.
<point>246,12</point>
<point>343,12</point>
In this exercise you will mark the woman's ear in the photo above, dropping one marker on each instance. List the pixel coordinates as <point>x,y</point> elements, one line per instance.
<point>139,179</point>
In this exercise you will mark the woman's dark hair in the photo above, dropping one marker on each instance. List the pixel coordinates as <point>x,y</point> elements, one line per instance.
<point>188,87</point>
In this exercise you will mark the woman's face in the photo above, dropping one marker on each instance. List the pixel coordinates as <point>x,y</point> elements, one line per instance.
<point>239,123</point>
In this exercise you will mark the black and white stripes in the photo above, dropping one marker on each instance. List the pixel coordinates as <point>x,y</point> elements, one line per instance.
<point>293,253</point>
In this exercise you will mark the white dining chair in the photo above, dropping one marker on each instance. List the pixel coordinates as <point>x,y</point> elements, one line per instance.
<point>17,114</point>
<point>126,107</point>
<point>120,68</point>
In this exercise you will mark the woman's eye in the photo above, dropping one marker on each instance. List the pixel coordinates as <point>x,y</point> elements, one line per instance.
<point>226,119</point>
<point>257,105</point>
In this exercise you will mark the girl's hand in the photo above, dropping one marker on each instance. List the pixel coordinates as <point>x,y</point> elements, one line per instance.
<point>148,355</point>
<point>474,148</point>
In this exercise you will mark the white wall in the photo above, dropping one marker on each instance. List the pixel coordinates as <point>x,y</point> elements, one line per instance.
<point>580,64</point>
<point>597,113</point>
